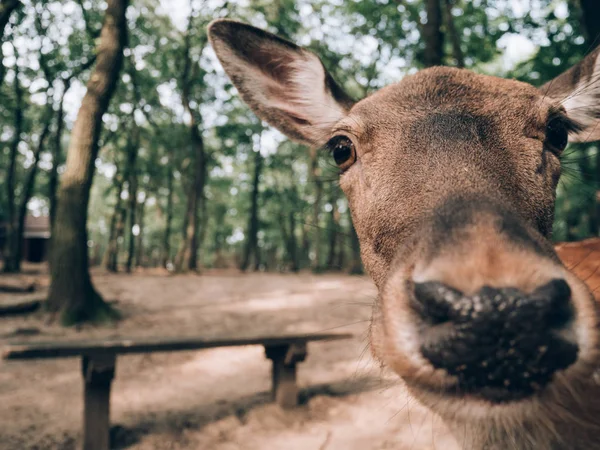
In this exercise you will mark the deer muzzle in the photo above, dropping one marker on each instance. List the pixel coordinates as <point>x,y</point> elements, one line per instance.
<point>501,343</point>
<point>481,305</point>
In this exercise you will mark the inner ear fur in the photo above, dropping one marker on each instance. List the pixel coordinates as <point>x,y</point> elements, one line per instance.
<point>578,91</point>
<point>284,84</point>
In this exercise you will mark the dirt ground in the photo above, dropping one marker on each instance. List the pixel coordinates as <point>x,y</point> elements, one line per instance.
<point>219,398</point>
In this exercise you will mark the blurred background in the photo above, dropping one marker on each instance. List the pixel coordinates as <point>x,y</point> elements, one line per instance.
<point>134,186</point>
<point>177,141</point>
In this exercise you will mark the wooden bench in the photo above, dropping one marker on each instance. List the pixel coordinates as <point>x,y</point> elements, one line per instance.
<point>98,359</point>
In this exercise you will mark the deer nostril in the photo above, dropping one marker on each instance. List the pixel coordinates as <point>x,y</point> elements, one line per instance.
<point>499,339</point>
<point>433,300</point>
<point>555,296</point>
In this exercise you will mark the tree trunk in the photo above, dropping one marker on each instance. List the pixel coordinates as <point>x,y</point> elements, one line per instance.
<point>132,151</point>
<point>57,146</point>
<point>132,202</point>
<point>187,257</point>
<point>56,154</point>
<point>110,255</point>
<point>188,252</point>
<point>316,178</point>
<point>356,267</point>
<point>169,219</point>
<point>590,19</point>
<point>71,290</point>
<point>289,238</point>
<point>457,53</point>
<point>6,9</point>
<point>341,250</point>
<point>251,247</point>
<point>111,259</point>
<point>305,245</point>
<point>219,236</point>
<point>28,191</point>
<point>432,34</point>
<point>139,248</point>
<point>333,228</point>
<point>11,217</point>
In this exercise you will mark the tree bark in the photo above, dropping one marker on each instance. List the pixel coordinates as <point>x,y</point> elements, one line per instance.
<point>7,7</point>
<point>57,145</point>
<point>71,290</point>
<point>289,239</point>
<point>356,267</point>
<point>139,247</point>
<point>28,190</point>
<point>333,228</point>
<point>251,247</point>
<point>590,19</point>
<point>451,31</point>
<point>111,258</point>
<point>219,236</point>
<point>316,178</point>
<point>432,34</point>
<point>56,154</point>
<point>293,244</point>
<point>187,257</point>
<point>11,217</point>
<point>110,255</point>
<point>341,263</point>
<point>305,244</point>
<point>133,191</point>
<point>132,151</point>
<point>169,219</point>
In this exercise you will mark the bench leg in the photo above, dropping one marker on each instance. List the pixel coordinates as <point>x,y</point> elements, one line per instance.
<point>98,372</point>
<point>285,358</point>
<point>284,389</point>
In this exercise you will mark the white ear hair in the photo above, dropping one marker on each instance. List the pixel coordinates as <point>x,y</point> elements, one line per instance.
<point>306,96</point>
<point>583,105</point>
<point>578,91</point>
<point>284,84</point>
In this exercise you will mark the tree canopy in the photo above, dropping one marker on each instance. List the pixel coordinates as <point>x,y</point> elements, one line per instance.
<point>185,176</point>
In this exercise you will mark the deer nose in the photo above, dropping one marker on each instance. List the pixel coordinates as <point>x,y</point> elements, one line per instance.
<point>500,343</point>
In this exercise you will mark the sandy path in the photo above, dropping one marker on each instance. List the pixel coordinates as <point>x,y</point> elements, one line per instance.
<point>218,399</point>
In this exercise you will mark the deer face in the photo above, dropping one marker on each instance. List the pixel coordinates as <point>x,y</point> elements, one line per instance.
<point>451,180</point>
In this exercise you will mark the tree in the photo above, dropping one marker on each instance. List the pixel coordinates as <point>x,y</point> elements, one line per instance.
<point>71,290</point>
<point>7,7</point>
<point>452,32</point>
<point>590,19</point>
<point>188,251</point>
<point>10,257</point>
<point>13,260</point>
<point>432,34</point>
<point>251,247</point>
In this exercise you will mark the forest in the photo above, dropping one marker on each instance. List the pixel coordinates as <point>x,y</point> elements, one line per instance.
<point>118,124</point>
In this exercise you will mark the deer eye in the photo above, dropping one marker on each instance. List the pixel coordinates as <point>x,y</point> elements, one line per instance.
<point>557,135</point>
<point>343,151</point>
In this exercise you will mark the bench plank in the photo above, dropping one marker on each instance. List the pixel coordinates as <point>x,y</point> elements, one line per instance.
<point>118,346</point>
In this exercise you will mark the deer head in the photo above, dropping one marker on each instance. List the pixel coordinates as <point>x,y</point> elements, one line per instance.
<point>451,178</point>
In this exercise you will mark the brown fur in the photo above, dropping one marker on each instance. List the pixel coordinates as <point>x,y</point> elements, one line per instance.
<point>452,182</point>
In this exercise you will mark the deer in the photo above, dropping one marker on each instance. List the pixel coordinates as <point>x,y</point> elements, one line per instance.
<point>451,180</point>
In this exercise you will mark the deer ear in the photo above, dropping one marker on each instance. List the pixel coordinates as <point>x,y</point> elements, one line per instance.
<point>284,84</point>
<point>578,90</point>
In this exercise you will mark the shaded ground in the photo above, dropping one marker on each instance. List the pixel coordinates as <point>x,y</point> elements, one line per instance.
<point>216,399</point>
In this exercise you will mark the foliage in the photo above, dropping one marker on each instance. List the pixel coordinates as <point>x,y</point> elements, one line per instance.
<point>366,45</point>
